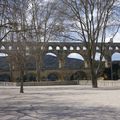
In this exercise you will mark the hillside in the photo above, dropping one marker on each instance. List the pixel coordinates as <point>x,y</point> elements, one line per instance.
<point>49,62</point>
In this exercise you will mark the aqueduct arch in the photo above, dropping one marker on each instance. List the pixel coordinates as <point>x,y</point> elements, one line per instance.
<point>116,56</point>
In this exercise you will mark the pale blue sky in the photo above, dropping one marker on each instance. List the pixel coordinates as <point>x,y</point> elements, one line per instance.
<point>116,57</point>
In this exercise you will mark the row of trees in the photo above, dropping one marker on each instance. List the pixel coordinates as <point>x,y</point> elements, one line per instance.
<point>86,21</point>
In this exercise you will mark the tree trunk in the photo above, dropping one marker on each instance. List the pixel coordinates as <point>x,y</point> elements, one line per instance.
<point>11,73</point>
<point>93,74</point>
<point>94,79</point>
<point>21,81</point>
<point>37,71</point>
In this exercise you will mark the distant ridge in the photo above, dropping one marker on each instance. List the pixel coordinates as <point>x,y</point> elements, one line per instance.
<point>49,62</point>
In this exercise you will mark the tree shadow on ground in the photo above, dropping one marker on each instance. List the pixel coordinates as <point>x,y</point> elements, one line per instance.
<point>45,104</point>
<point>56,111</point>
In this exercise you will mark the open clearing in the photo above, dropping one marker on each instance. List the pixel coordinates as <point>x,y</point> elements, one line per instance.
<point>59,103</point>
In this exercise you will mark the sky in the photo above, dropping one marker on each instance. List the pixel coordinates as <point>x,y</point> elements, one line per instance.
<point>115,39</point>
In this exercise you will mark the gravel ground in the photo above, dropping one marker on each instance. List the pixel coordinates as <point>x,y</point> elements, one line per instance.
<point>60,103</point>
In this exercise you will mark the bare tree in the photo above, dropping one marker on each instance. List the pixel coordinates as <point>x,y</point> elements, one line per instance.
<point>32,20</point>
<point>19,37</point>
<point>7,23</point>
<point>4,19</point>
<point>87,21</point>
<point>42,23</point>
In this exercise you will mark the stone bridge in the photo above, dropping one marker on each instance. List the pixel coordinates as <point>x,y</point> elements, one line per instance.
<point>61,50</point>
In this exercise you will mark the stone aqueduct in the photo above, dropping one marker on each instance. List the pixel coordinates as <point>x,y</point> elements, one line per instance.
<point>62,50</point>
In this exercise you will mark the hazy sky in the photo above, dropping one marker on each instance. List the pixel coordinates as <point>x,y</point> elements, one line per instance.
<point>115,39</point>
